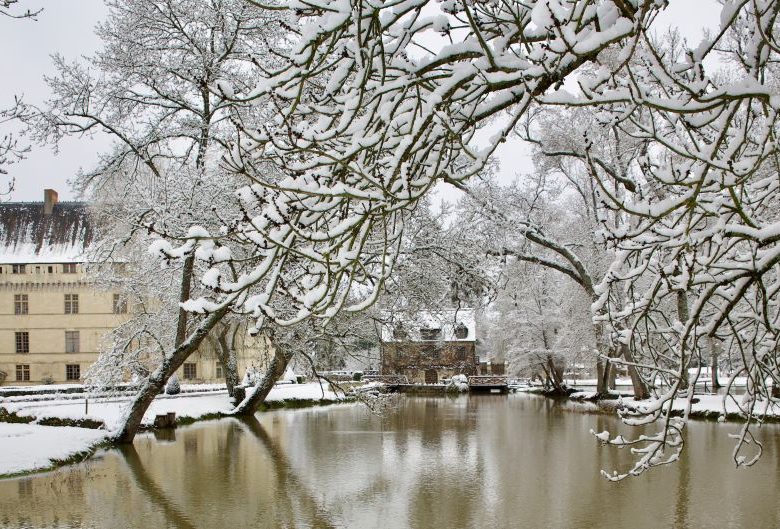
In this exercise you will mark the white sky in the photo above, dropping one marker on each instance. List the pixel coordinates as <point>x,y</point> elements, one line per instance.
<point>66,26</point>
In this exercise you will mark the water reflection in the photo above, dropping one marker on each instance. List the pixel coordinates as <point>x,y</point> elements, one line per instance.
<point>487,461</point>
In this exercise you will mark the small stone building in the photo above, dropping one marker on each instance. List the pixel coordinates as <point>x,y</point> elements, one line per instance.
<point>429,346</point>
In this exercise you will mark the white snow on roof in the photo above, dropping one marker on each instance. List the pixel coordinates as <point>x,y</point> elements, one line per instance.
<point>448,320</point>
<point>27,235</point>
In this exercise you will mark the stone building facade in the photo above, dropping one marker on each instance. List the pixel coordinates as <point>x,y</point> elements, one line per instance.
<point>430,346</point>
<point>52,316</point>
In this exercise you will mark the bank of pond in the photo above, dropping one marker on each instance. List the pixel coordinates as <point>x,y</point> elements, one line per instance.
<point>469,461</point>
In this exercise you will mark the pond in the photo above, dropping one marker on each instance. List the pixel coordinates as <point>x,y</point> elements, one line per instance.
<point>481,461</point>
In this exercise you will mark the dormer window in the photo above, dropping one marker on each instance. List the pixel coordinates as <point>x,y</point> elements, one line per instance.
<point>399,333</point>
<point>430,335</point>
<point>19,269</point>
<point>461,331</point>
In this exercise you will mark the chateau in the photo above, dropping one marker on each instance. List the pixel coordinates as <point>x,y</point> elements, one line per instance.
<point>52,317</point>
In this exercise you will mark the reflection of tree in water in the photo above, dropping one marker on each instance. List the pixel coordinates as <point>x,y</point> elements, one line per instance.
<point>297,505</point>
<point>292,502</point>
<point>682,498</point>
<point>155,493</point>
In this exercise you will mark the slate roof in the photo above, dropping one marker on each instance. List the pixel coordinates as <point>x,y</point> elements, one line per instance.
<point>27,235</point>
<point>448,320</point>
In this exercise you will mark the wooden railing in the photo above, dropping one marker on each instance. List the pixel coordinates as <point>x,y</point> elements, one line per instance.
<point>487,380</point>
<point>387,379</point>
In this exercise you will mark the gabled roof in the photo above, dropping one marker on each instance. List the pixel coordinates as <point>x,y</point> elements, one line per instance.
<point>28,235</point>
<point>448,320</point>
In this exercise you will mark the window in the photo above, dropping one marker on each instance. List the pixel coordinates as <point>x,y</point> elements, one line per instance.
<point>20,304</point>
<point>432,351</point>
<point>430,335</point>
<point>71,303</point>
<point>460,353</point>
<point>399,333</point>
<point>22,372</point>
<point>38,270</point>
<point>18,268</point>
<point>22,342</point>
<point>219,372</point>
<point>69,268</point>
<point>72,372</point>
<point>461,331</point>
<point>51,269</point>
<point>72,339</point>
<point>120,305</point>
<point>190,371</point>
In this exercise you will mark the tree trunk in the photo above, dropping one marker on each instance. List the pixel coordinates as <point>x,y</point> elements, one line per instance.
<point>274,372</point>
<point>713,363</point>
<point>683,315</point>
<point>612,378</point>
<point>601,366</point>
<point>184,295</point>
<point>640,389</point>
<point>156,381</point>
<point>602,386</point>
<point>224,343</point>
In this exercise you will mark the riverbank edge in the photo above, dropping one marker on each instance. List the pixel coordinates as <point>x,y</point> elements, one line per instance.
<point>609,405</point>
<point>89,451</point>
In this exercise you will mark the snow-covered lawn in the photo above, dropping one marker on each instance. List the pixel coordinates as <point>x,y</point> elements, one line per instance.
<point>27,447</point>
<point>191,405</point>
<point>704,405</point>
<point>713,404</point>
<point>702,379</point>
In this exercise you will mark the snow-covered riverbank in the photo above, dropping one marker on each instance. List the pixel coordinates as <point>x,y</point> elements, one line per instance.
<point>32,446</point>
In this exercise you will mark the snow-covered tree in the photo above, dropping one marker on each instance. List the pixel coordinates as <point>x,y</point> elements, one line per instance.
<point>11,150</point>
<point>156,89</point>
<point>373,111</point>
<point>15,9</point>
<point>696,261</point>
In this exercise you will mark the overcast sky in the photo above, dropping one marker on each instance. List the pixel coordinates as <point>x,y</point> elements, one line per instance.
<point>66,26</point>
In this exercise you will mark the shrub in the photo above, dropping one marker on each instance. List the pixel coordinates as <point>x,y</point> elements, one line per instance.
<point>173,387</point>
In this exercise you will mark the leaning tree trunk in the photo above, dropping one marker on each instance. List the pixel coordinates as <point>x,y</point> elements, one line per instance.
<point>263,387</point>
<point>554,373</point>
<point>156,381</point>
<point>184,295</point>
<point>224,343</point>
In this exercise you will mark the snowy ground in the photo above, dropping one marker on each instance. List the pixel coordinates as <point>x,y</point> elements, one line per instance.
<point>714,404</point>
<point>701,380</point>
<point>27,447</point>
<point>706,405</point>
<point>193,405</point>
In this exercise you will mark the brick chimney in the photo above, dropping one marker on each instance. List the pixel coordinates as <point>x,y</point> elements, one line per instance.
<point>49,199</point>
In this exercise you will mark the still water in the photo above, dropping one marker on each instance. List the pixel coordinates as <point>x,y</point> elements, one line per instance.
<point>468,462</point>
